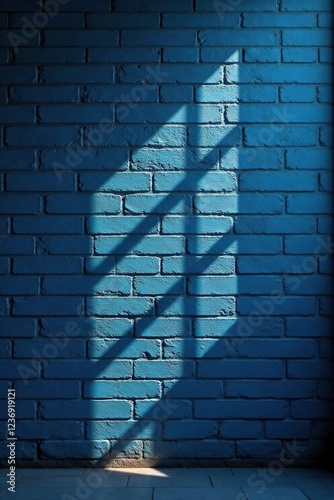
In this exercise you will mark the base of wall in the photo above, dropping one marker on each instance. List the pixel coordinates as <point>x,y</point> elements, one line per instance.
<point>122,463</point>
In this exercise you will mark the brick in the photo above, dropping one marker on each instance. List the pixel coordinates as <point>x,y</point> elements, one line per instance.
<point>19,204</point>
<point>162,285</point>
<point>186,54</point>
<point>219,54</point>
<point>196,225</point>
<point>208,306</point>
<point>288,430</point>
<point>67,245</point>
<point>307,37</point>
<point>78,74</point>
<point>172,159</point>
<point>64,113</point>
<point>82,409</point>
<point>147,245</point>
<point>123,430</point>
<point>281,135</point>
<point>87,327</point>
<point>314,409</point>
<point>158,204</point>
<point>270,389</point>
<point>279,20</point>
<point>123,54</point>
<point>299,55</point>
<point>322,285</point>
<point>119,93</point>
<point>308,5</point>
<point>305,245</point>
<point>77,158</point>
<point>258,348</point>
<point>176,93</point>
<point>88,369</point>
<point>213,136</point>
<point>50,430</point>
<point>304,204</point>
<point>275,265</point>
<point>274,225</point>
<point>19,285</point>
<point>115,20</point>
<point>138,265</point>
<point>309,159</point>
<point>49,349</point>
<point>325,55</point>
<point>278,181</point>
<point>86,285</point>
<point>17,114</point>
<point>17,159</point>
<point>12,75</point>
<point>248,244</point>
<point>169,113</point>
<point>198,265</point>
<point>117,306</point>
<point>158,38</point>
<point>40,135</point>
<point>326,136</point>
<point>285,73</point>
<point>289,113</point>
<point>233,285</point>
<point>197,20</point>
<point>195,348</point>
<point>47,389</point>
<point>233,328</point>
<point>121,225</point>
<point>124,348</point>
<point>240,369</point>
<point>46,55</point>
<point>294,306</point>
<point>39,181</point>
<point>236,38</point>
<point>122,390</point>
<point>238,429</point>
<point>325,20</point>
<point>269,409</point>
<point>4,265</point>
<point>261,5</point>
<point>163,369</point>
<point>47,224</point>
<point>45,306</point>
<point>151,6</point>
<point>259,449</point>
<point>262,55</point>
<point>179,429</point>
<point>211,181</point>
<point>82,204</point>
<point>18,327</point>
<point>81,38</point>
<point>169,73</point>
<point>162,327</point>
<point>120,182</point>
<point>16,370</point>
<point>61,20</point>
<point>232,204</point>
<point>297,93</point>
<point>189,449</point>
<point>187,388</point>
<point>74,449</point>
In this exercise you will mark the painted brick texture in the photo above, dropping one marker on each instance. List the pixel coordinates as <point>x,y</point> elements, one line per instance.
<point>166,220</point>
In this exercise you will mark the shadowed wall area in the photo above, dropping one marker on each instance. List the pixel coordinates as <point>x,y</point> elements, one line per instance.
<point>165,250</point>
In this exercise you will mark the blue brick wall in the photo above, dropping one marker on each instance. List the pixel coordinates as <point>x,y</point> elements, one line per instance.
<point>166,220</point>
